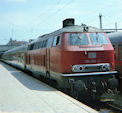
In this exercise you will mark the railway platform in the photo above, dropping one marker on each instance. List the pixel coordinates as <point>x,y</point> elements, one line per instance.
<point>20,93</point>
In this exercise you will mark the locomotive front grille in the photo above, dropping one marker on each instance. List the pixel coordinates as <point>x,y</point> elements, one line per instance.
<point>91,67</point>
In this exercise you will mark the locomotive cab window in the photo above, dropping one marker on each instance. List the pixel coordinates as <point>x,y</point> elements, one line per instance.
<point>57,41</point>
<point>98,38</point>
<point>78,39</point>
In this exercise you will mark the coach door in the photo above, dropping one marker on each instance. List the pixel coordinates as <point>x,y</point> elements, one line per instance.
<point>49,43</point>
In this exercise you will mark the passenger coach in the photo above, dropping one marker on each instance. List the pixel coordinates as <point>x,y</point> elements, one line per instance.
<point>116,40</point>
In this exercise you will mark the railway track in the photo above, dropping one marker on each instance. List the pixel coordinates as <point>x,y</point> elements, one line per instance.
<point>117,108</point>
<point>105,108</point>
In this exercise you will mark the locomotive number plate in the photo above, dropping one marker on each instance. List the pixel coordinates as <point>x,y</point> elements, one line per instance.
<point>92,55</point>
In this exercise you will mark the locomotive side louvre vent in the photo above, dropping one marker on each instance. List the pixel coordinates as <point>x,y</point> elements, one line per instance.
<point>68,22</point>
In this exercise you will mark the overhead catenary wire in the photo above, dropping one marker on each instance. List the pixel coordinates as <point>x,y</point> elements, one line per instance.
<point>45,19</point>
<point>35,22</point>
<point>97,11</point>
<point>108,16</point>
<point>57,11</point>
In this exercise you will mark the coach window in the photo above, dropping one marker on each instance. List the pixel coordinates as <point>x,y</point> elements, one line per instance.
<point>57,41</point>
<point>28,47</point>
<point>45,43</point>
<point>120,53</point>
<point>40,44</point>
<point>37,45</point>
<point>34,47</point>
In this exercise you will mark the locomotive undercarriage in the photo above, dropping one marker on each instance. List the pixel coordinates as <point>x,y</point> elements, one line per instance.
<point>91,88</point>
<point>88,87</point>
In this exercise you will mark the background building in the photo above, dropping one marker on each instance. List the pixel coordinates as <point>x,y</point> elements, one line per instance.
<point>15,43</point>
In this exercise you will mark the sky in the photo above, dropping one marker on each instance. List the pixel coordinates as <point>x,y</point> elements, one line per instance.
<point>22,20</point>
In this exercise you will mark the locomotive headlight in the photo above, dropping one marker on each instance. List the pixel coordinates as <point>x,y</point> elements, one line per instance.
<point>74,68</point>
<point>77,68</point>
<point>106,67</point>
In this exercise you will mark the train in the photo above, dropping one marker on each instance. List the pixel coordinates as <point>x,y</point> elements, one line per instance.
<point>116,40</point>
<point>79,58</point>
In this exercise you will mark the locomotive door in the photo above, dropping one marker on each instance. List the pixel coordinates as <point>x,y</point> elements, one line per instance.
<point>48,62</point>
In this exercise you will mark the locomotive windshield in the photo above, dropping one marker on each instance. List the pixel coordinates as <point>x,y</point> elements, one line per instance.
<point>98,38</point>
<point>78,39</point>
<point>82,39</point>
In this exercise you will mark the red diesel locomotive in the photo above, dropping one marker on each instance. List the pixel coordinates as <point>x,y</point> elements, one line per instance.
<point>116,40</point>
<point>79,58</point>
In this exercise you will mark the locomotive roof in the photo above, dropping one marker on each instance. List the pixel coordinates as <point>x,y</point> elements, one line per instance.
<point>115,37</point>
<point>77,28</point>
<point>74,28</point>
